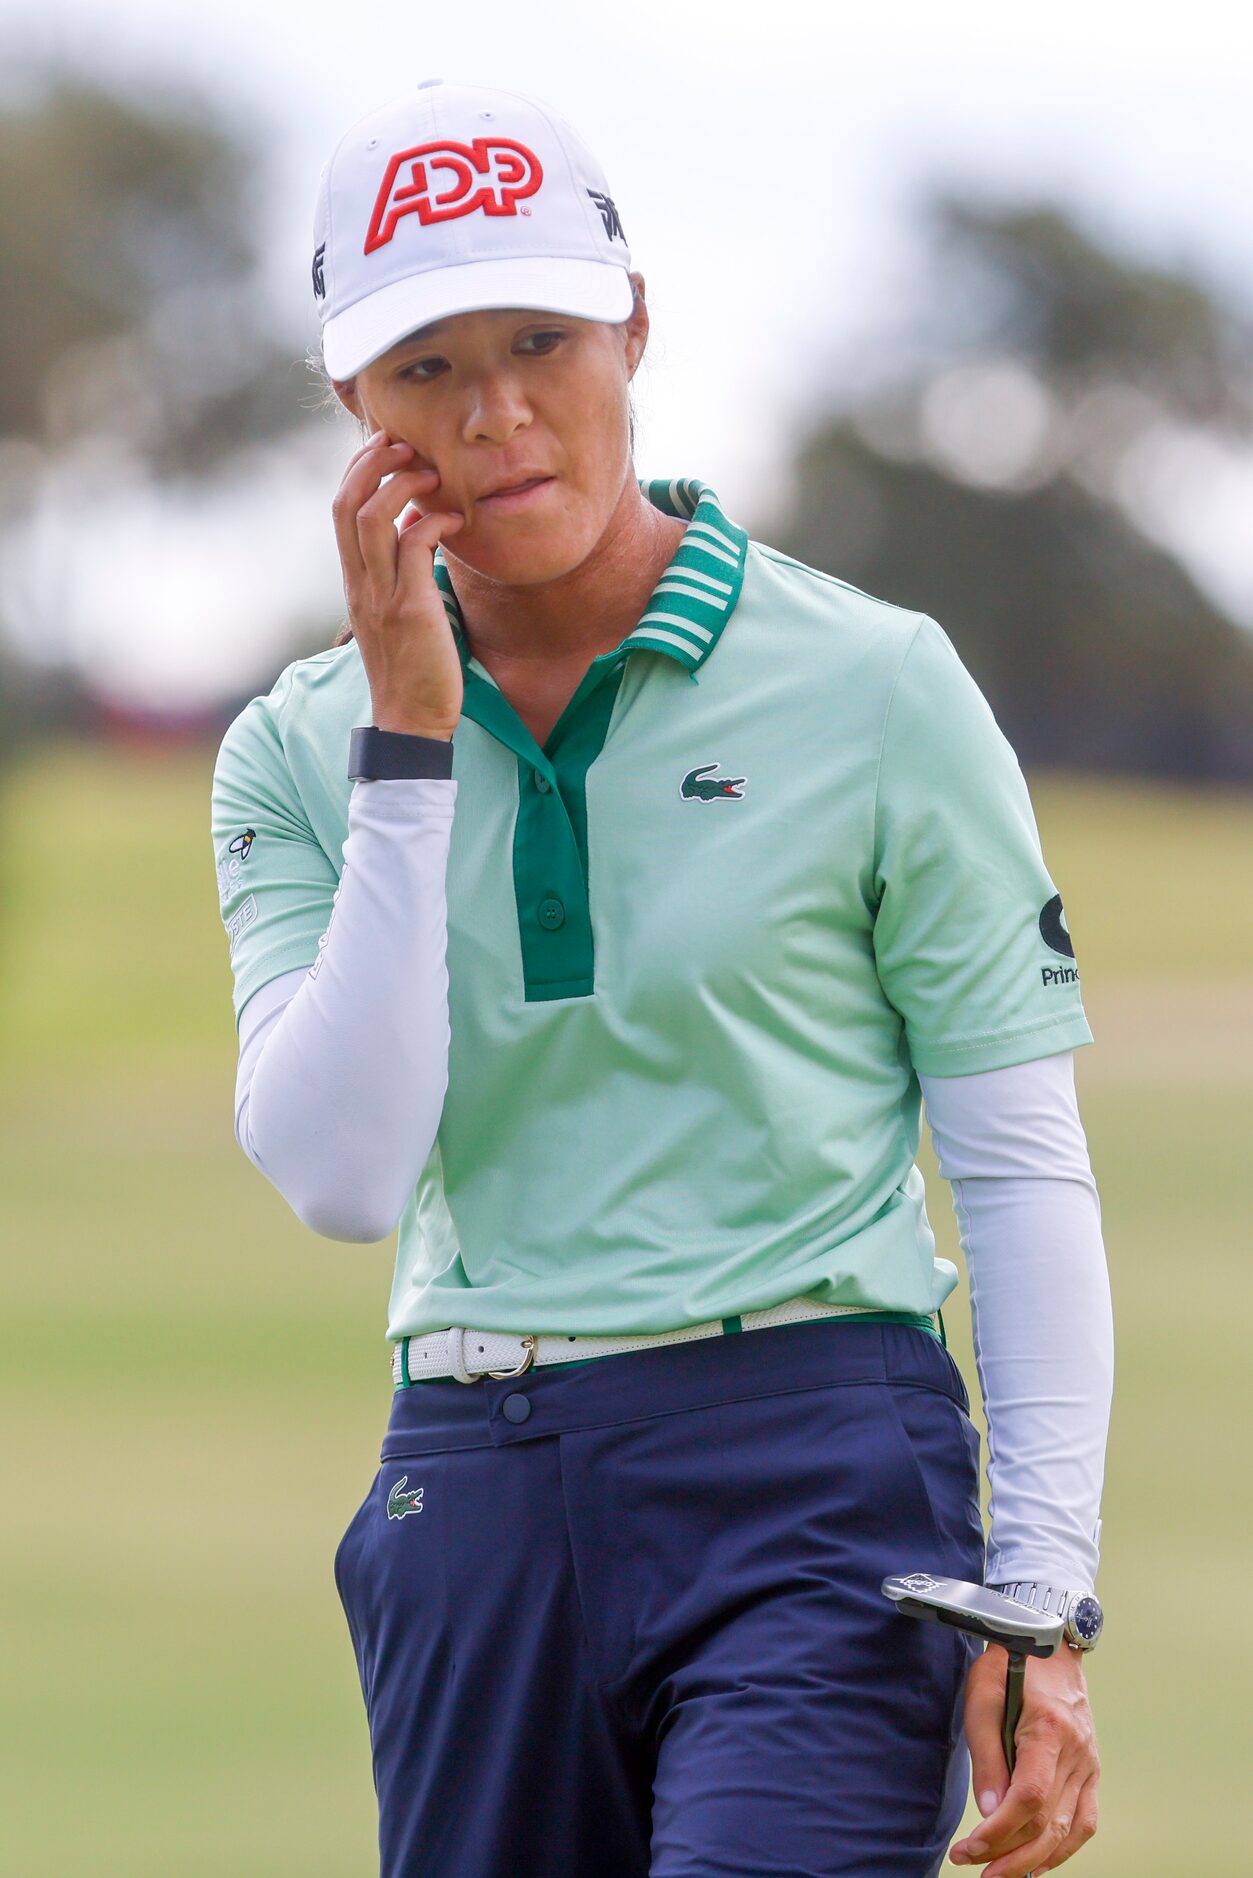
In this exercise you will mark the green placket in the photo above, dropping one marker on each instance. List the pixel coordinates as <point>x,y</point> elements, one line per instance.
<point>685,616</point>
<point>550,834</point>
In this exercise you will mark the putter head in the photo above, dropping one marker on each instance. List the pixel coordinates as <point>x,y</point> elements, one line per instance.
<point>976,1610</point>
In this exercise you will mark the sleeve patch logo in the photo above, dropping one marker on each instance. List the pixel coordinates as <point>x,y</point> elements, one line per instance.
<point>228,870</point>
<point>1053,928</point>
<point>1057,938</point>
<point>240,921</point>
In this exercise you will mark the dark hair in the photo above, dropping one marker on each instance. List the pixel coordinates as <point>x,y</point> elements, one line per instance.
<point>329,401</point>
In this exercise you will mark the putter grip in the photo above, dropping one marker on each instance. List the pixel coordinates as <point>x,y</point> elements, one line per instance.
<point>1013,1705</point>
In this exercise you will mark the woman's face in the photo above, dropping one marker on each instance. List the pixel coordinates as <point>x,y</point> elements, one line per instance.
<point>496,398</point>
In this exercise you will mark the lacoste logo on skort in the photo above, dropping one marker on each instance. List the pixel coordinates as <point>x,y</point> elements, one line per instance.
<point>399,1502</point>
<point>700,786</point>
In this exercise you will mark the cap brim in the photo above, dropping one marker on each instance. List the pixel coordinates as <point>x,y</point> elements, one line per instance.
<point>590,290</point>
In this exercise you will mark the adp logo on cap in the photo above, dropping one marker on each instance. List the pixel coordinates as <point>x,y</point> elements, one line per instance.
<point>492,174</point>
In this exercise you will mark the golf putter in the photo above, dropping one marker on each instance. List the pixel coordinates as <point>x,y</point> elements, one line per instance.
<point>987,1614</point>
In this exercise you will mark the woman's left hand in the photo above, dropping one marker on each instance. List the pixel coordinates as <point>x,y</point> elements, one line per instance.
<point>1041,1818</point>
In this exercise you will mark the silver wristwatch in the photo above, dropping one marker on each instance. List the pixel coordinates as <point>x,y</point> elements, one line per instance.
<point>1080,1611</point>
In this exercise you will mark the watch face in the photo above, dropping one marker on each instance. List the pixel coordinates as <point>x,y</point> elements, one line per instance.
<point>1087,1620</point>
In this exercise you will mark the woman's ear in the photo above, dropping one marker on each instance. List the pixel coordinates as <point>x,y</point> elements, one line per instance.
<point>635,326</point>
<point>345,390</point>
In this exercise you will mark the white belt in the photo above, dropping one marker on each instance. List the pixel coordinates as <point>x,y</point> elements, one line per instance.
<point>470,1355</point>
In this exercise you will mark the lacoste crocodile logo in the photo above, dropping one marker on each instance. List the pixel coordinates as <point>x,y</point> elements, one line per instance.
<point>399,1502</point>
<point>699,786</point>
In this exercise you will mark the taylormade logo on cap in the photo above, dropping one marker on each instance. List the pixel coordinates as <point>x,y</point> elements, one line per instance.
<point>455,199</point>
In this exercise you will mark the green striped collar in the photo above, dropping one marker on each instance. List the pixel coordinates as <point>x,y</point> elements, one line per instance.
<point>694,598</point>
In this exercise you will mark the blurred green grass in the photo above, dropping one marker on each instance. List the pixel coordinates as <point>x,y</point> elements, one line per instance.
<point>194,1386</point>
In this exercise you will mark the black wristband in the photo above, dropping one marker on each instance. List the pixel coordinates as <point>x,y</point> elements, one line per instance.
<point>376,755</point>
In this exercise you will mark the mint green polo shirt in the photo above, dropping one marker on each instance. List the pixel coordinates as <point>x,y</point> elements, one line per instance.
<point>774,858</point>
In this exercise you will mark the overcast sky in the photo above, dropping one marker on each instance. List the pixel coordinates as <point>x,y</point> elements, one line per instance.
<point>763,158</point>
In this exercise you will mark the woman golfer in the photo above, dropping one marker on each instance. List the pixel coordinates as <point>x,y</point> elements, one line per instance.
<point>599,906</point>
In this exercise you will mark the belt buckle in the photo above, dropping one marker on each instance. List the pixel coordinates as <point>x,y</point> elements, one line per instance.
<point>459,1370</point>
<point>503,1375</point>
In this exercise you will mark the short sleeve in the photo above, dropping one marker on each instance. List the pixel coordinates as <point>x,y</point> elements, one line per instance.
<point>276,883</point>
<point>970,938</point>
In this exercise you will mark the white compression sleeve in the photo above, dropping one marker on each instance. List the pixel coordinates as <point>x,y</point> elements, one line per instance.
<point>343,1068</point>
<point>1011,1144</point>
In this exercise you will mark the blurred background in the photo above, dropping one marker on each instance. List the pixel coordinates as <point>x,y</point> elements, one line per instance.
<point>954,303</point>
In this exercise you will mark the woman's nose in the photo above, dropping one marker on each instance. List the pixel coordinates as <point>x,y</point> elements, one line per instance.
<point>497,410</point>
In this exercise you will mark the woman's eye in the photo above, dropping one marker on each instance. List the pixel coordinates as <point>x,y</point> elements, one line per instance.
<point>534,345</point>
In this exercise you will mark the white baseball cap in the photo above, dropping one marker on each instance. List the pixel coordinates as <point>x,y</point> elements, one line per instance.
<point>453,199</point>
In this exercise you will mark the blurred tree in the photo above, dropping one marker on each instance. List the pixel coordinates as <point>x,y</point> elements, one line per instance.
<point>1035,285</point>
<point>128,254</point>
<point>131,326</point>
<point>1005,482</point>
<point>33,704</point>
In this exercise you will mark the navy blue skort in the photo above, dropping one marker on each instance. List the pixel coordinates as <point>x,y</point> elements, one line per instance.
<point>622,1619</point>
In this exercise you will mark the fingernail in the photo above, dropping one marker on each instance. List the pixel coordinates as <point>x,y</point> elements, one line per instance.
<point>976,1850</point>
<point>958,1858</point>
<point>988,1802</point>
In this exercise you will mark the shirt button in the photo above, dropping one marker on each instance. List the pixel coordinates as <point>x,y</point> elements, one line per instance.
<point>515,1408</point>
<point>552,914</point>
<point>541,782</point>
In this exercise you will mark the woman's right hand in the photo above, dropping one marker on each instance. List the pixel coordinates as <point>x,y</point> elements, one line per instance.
<point>394,606</point>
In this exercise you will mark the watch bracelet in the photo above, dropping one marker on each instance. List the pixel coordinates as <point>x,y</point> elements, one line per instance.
<point>1050,1600</point>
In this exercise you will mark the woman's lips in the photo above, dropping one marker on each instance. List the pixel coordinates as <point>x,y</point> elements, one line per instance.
<point>518,497</point>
